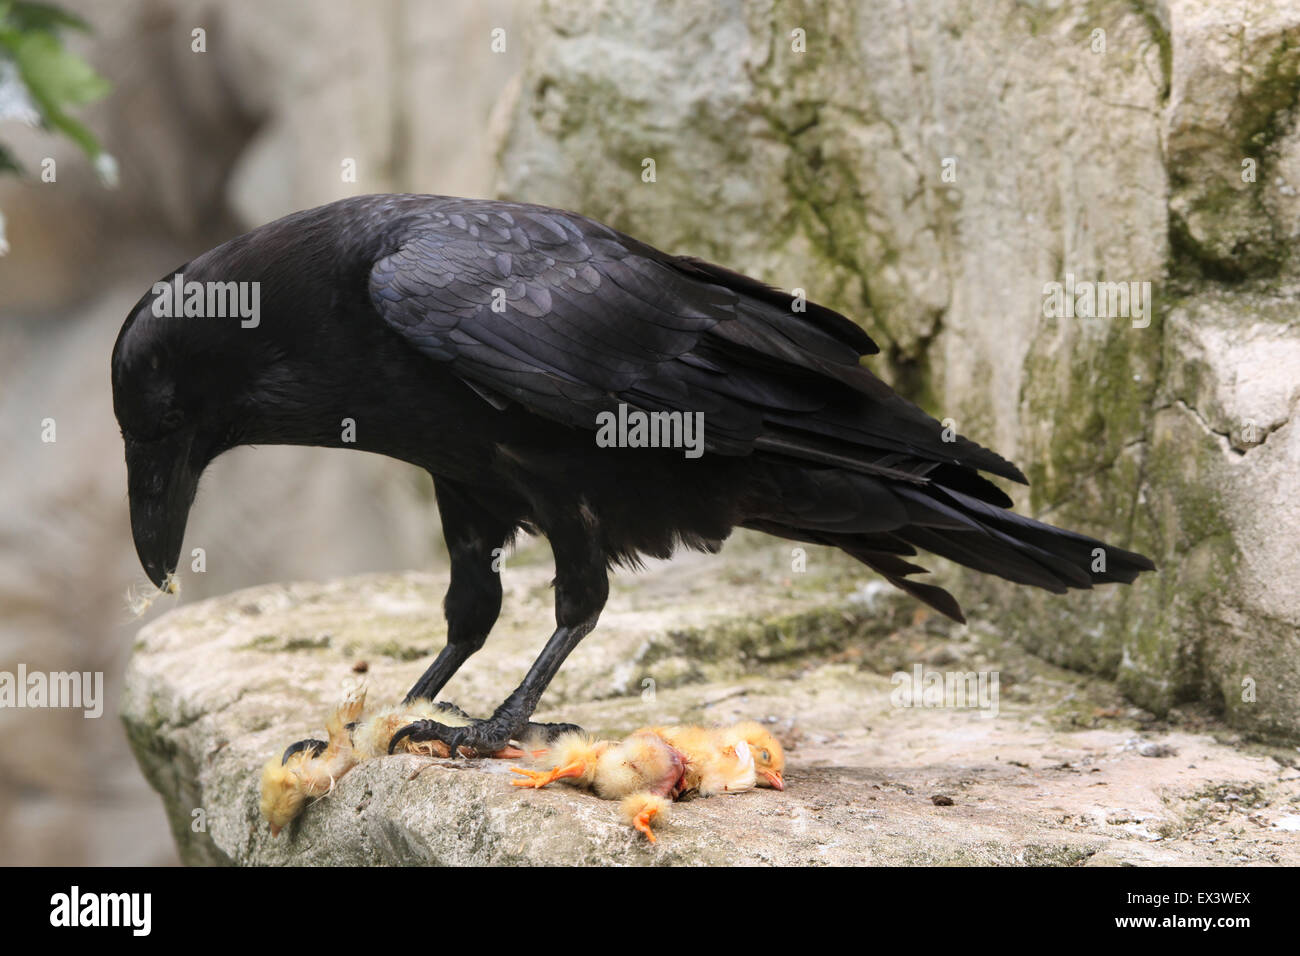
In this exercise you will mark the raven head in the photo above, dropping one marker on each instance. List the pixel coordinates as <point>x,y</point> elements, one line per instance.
<point>172,394</point>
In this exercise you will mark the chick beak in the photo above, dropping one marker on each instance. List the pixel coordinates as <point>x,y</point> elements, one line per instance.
<point>275,831</point>
<point>774,779</point>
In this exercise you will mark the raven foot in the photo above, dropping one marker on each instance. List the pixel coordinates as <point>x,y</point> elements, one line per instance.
<point>314,746</point>
<point>480,738</point>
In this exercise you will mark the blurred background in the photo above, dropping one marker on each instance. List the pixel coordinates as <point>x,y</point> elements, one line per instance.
<point>208,145</point>
<point>925,166</point>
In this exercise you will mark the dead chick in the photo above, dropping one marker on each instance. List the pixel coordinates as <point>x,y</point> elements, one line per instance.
<point>656,765</point>
<point>768,754</point>
<point>311,768</point>
<point>715,761</point>
<point>308,771</point>
<point>642,770</point>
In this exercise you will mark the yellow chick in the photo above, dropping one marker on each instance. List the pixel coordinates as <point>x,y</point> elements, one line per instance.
<point>716,761</point>
<point>643,771</point>
<point>304,773</point>
<point>311,771</point>
<point>656,765</point>
<point>612,769</point>
<point>768,754</point>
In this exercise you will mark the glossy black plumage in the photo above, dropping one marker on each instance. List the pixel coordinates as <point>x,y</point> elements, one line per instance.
<point>480,340</point>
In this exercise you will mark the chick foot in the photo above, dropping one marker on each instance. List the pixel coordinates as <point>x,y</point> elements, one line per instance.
<point>542,778</point>
<point>640,809</point>
<point>642,822</point>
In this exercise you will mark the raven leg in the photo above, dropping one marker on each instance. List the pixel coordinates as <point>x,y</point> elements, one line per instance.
<point>581,589</point>
<point>473,598</point>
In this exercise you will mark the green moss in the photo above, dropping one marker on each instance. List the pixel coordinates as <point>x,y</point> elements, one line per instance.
<point>274,643</point>
<point>1165,661</point>
<point>774,645</point>
<point>1090,705</point>
<point>1268,112</point>
<point>1159,36</point>
<point>1110,382</point>
<point>307,643</point>
<point>1225,229</point>
<point>1086,469</point>
<point>399,651</point>
<point>1037,854</point>
<point>755,641</point>
<point>1242,796</point>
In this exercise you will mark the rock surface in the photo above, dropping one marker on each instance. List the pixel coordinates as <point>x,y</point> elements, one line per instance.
<point>1064,773</point>
<point>928,174</point>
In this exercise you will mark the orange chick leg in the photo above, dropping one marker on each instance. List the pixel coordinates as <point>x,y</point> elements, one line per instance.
<point>642,822</point>
<point>540,778</point>
<point>514,753</point>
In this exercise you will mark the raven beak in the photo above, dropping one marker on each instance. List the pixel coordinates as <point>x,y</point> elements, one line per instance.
<point>774,779</point>
<point>161,479</point>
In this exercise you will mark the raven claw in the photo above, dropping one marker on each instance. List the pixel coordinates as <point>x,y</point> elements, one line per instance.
<point>481,737</point>
<point>317,747</point>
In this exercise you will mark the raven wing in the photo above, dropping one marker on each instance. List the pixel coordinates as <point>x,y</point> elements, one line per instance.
<point>569,318</point>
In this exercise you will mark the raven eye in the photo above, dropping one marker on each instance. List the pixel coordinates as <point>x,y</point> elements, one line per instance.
<point>172,419</point>
<point>153,361</point>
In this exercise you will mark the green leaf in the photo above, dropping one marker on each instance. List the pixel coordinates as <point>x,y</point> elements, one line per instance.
<point>56,80</point>
<point>54,75</point>
<point>26,17</point>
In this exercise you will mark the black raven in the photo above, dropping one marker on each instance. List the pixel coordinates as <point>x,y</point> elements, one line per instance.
<point>488,343</point>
